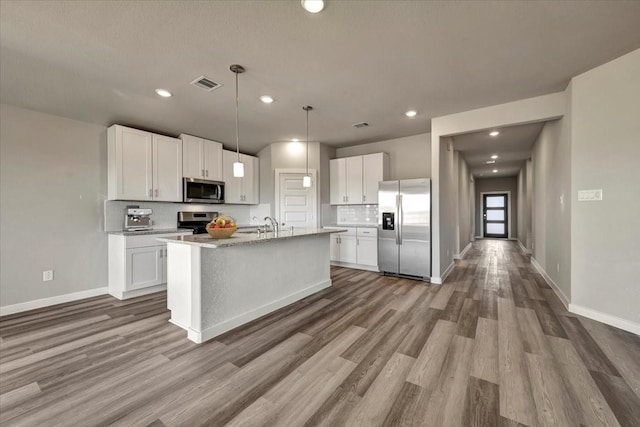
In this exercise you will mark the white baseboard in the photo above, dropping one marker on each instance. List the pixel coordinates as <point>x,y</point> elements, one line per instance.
<point>138,292</point>
<point>463,253</point>
<point>440,280</point>
<point>46,302</point>
<point>356,266</point>
<point>554,286</point>
<point>618,322</point>
<point>523,248</point>
<point>227,325</point>
<point>478,237</point>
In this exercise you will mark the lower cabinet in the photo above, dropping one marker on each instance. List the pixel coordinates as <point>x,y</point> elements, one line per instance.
<point>357,247</point>
<point>137,264</point>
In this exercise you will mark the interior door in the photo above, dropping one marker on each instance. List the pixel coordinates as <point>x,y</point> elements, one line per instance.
<point>297,203</point>
<point>495,219</point>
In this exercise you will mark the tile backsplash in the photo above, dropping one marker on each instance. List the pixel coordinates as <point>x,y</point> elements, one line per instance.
<point>165,214</point>
<point>357,214</point>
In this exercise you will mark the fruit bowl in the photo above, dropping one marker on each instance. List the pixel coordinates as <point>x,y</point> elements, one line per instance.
<point>222,227</point>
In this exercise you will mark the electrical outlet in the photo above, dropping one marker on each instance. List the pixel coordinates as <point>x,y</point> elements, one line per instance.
<point>558,267</point>
<point>47,275</point>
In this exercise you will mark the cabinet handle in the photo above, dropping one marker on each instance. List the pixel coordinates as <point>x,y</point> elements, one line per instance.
<point>206,173</point>
<point>202,174</point>
<point>150,192</point>
<point>347,197</point>
<point>165,252</point>
<point>357,241</point>
<point>156,192</point>
<point>161,251</point>
<point>364,197</point>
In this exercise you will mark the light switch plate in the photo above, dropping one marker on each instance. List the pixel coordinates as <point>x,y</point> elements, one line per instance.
<point>589,195</point>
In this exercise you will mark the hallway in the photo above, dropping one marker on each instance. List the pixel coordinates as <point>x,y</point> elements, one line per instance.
<point>493,346</point>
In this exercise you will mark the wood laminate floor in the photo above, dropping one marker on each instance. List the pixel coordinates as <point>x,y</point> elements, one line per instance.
<point>493,346</point>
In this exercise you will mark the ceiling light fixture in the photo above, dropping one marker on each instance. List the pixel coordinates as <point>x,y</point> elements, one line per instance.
<point>238,167</point>
<point>266,99</point>
<point>410,113</point>
<point>490,162</point>
<point>312,6</point>
<point>495,156</point>
<point>494,133</point>
<point>163,93</point>
<point>306,181</point>
<point>495,170</point>
<point>295,140</point>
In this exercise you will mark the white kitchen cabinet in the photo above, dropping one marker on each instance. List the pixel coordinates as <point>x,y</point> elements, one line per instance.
<point>375,168</point>
<point>244,190</point>
<point>201,158</point>
<point>357,248</point>
<point>137,264</point>
<point>354,180</point>
<point>367,250</point>
<point>143,165</point>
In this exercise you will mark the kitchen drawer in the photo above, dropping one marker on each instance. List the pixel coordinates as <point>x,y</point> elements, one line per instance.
<point>367,232</point>
<point>351,231</point>
<point>148,240</point>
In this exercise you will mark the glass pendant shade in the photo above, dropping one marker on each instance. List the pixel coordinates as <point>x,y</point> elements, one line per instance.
<point>306,181</point>
<point>238,169</point>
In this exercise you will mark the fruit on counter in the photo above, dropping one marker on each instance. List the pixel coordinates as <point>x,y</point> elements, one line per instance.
<point>222,222</point>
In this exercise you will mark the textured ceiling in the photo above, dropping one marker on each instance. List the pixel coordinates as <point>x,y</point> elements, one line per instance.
<point>512,146</point>
<point>356,61</point>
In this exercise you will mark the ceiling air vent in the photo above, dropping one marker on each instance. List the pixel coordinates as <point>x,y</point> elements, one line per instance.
<point>361,125</point>
<point>205,83</point>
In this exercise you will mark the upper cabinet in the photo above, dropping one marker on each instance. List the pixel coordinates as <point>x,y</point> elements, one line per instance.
<point>354,180</point>
<point>143,165</point>
<point>245,190</point>
<point>201,158</point>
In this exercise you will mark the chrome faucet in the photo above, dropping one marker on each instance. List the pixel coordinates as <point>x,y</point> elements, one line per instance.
<point>274,223</point>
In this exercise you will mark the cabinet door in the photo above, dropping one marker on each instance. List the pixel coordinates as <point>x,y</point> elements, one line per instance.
<point>337,181</point>
<point>212,156</point>
<point>374,171</point>
<point>354,180</point>
<point>145,267</point>
<point>192,164</point>
<point>367,251</point>
<point>348,249</point>
<point>251,180</point>
<point>334,247</point>
<point>167,169</point>
<point>232,185</point>
<point>133,164</point>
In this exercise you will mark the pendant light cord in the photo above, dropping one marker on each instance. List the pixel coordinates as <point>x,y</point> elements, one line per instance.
<point>237,127</point>
<point>307,141</point>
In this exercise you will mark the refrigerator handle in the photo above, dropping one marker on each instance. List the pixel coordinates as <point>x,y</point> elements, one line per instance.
<point>399,219</point>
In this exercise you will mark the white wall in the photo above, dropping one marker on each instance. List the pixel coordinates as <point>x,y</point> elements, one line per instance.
<point>465,203</point>
<point>448,205</point>
<point>409,157</point>
<point>551,208</point>
<point>53,176</point>
<point>525,184</point>
<point>606,155</point>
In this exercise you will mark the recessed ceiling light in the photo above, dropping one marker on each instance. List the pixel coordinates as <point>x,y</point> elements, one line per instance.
<point>494,133</point>
<point>163,93</point>
<point>410,113</point>
<point>490,162</point>
<point>295,140</point>
<point>495,156</point>
<point>266,99</point>
<point>312,6</point>
<point>495,170</point>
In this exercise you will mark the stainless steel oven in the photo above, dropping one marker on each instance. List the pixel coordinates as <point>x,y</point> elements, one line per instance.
<point>202,191</point>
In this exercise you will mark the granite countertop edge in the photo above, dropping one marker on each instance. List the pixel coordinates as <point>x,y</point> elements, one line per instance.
<point>206,241</point>
<point>151,232</point>
<point>352,225</point>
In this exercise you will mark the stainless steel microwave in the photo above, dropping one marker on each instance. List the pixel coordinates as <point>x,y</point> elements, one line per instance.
<point>202,191</point>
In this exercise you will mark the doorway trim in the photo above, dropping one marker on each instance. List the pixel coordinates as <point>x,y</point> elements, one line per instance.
<point>508,193</point>
<point>316,196</point>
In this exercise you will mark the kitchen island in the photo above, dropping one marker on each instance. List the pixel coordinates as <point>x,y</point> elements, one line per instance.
<point>215,285</point>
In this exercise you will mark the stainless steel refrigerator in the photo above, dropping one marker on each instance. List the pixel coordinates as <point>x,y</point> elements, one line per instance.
<point>404,228</point>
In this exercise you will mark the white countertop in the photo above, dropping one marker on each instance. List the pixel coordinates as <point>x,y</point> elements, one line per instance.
<point>239,238</point>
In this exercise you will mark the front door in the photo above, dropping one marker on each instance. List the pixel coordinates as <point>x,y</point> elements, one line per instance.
<point>297,203</point>
<point>495,215</point>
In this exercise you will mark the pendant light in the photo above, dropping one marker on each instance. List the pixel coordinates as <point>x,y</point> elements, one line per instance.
<point>238,167</point>
<point>306,181</point>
